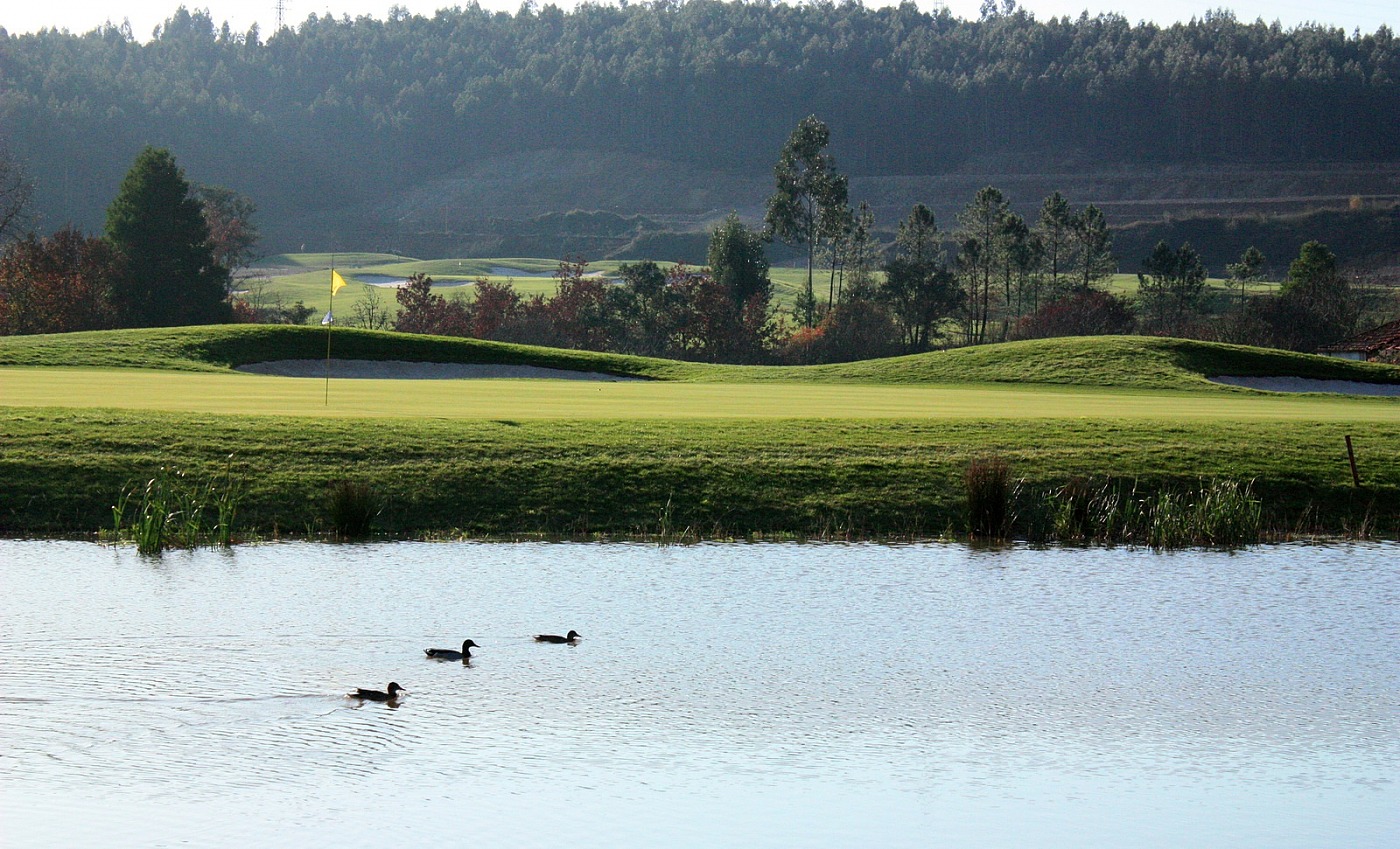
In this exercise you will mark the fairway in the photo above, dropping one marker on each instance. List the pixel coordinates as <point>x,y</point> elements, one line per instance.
<point>243,394</point>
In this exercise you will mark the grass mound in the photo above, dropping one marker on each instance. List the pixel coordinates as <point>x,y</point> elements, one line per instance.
<point>1129,362</point>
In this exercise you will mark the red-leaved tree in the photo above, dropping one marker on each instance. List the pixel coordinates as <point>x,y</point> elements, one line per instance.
<point>57,284</point>
<point>421,311</point>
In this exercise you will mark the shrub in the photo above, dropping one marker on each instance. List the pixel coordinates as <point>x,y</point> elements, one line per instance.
<point>990,495</point>
<point>1084,312</point>
<point>353,506</point>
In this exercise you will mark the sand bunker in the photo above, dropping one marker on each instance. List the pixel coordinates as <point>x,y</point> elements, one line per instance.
<point>384,281</point>
<point>1307,384</point>
<point>400,370</point>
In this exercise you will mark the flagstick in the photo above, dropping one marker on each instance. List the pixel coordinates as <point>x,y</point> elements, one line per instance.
<point>330,311</point>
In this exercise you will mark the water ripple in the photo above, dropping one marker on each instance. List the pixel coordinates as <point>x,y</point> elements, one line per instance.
<point>714,683</point>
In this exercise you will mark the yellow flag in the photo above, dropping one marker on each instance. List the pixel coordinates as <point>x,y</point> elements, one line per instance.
<point>337,282</point>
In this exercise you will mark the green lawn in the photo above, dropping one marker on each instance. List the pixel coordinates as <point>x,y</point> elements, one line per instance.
<point>1125,362</point>
<point>533,275</point>
<point>242,394</point>
<point>861,449</point>
<point>529,276</point>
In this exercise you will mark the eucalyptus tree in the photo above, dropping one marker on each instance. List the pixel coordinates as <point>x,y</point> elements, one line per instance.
<point>809,198</point>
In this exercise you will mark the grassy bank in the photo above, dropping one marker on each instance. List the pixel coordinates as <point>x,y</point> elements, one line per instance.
<point>64,469</point>
<point>859,450</point>
<point>1120,362</point>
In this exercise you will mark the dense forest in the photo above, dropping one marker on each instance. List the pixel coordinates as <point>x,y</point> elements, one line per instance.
<point>331,117</point>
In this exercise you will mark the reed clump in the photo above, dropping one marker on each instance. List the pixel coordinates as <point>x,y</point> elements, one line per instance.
<point>1215,513</point>
<point>352,506</point>
<point>991,496</point>
<point>173,509</point>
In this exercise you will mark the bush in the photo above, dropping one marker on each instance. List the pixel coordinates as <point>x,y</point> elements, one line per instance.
<point>353,506</point>
<point>990,494</point>
<point>1083,312</point>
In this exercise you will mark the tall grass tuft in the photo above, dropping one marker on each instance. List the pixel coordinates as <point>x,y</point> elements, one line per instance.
<point>991,496</point>
<point>353,506</point>
<point>172,509</point>
<point>1217,513</point>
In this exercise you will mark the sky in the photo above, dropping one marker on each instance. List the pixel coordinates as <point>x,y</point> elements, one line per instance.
<point>145,15</point>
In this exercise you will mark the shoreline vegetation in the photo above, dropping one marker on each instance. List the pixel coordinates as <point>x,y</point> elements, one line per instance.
<point>1221,476</point>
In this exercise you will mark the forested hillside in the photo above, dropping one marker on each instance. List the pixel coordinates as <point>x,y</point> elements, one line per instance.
<point>355,130</point>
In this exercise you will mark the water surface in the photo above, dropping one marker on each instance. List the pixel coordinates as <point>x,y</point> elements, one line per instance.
<point>723,695</point>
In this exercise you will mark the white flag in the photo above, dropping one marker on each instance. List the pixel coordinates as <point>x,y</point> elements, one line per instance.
<point>329,319</point>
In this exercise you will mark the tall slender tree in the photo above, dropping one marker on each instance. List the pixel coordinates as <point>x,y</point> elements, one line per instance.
<point>1056,231</point>
<point>170,277</point>
<point>1246,271</point>
<point>1094,246</point>
<point>982,234</point>
<point>808,199</point>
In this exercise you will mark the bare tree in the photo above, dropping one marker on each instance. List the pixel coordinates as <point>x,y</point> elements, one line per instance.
<point>16,192</point>
<point>370,312</point>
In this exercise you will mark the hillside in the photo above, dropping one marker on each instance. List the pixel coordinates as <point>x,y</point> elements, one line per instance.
<point>419,135</point>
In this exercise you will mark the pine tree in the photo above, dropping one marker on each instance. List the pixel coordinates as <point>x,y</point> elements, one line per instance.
<point>171,277</point>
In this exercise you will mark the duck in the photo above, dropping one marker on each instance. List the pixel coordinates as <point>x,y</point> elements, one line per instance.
<point>555,638</point>
<point>449,654</point>
<point>379,695</point>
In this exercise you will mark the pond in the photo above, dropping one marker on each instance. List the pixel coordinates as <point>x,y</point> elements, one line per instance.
<point>755,695</point>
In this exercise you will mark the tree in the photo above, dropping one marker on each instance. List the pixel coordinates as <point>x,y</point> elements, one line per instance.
<point>1316,303</point>
<point>1056,231</point>
<point>495,310</point>
<point>369,312</point>
<point>171,277</point>
<point>738,325</point>
<point>1019,259</point>
<point>579,313</point>
<point>1246,271</point>
<point>809,198</point>
<point>422,311</point>
<point>57,284</point>
<point>233,236</point>
<point>1170,286</point>
<point>16,192</point>
<point>982,231</point>
<point>1094,246</point>
<point>253,304</point>
<point>737,261</point>
<point>918,288</point>
<point>862,256</point>
<point>653,307</point>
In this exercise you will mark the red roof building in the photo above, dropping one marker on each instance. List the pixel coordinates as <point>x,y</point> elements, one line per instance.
<point>1379,343</point>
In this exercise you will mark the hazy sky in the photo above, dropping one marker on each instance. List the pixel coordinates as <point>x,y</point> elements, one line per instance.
<point>83,15</point>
